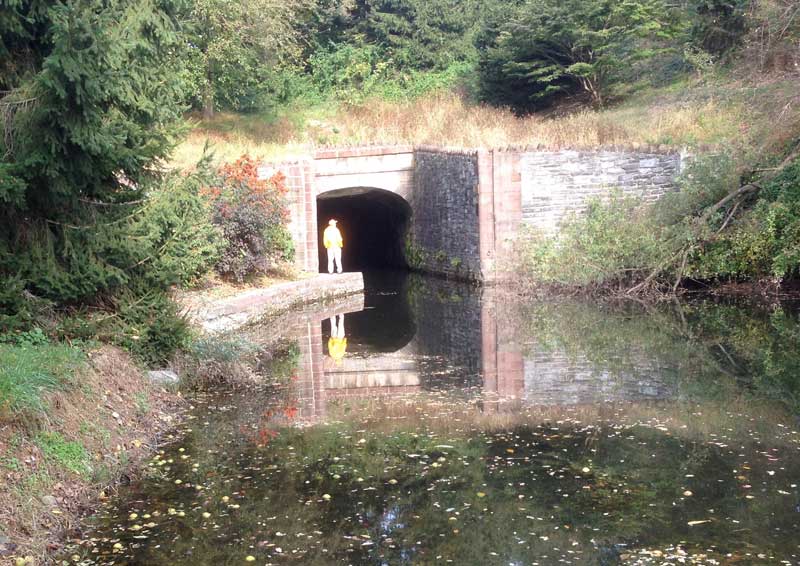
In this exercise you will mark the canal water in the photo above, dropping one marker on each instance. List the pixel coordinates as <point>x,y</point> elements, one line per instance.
<point>434,423</point>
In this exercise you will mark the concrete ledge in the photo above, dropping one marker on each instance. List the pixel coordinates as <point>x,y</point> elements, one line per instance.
<point>233,312</point>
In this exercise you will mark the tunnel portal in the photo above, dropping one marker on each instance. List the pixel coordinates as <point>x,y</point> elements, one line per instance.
<point>373,223</point>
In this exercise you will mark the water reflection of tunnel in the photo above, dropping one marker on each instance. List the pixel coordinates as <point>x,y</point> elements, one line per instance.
<point>387,323</point>
<point>373,223</point>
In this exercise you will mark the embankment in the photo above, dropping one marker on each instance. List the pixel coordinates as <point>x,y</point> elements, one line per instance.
<point>63,455</point>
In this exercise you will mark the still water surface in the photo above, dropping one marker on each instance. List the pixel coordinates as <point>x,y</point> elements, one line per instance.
<point>432,423</point>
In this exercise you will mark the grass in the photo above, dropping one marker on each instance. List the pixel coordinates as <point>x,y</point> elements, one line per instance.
<point>691,113</point>
<point>28,373</point>
<point>69,455</point>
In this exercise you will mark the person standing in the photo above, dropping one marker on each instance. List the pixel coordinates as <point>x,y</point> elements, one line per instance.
<point>332,239</point>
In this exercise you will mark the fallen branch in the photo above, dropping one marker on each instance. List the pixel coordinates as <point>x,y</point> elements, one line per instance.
<point>736,196</point>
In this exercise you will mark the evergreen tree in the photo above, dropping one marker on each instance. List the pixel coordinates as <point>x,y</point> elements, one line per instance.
<point>91,102</point>
<point>554,47</point>
<point>420,34</point>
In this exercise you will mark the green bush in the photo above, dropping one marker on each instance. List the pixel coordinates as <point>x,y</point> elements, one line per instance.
<point>30,371</point>
<point>348,73</point>
<point>610,245</point>
<point>176,233</point>
<point>150,326</point>
<point>764,241</point>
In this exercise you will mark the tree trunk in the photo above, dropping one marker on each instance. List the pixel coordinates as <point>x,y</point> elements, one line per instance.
<point>208,104</point>
<point>208,101</point>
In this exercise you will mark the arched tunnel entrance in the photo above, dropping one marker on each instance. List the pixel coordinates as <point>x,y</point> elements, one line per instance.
<point>373,223</point>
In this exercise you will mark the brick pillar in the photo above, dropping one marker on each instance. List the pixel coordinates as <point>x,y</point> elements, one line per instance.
<point>507,207</point>
<point>489,356</point>
<point>311,262</point>
<point>499,208</point>
<point>305,374</point>
<point>486,220</point>
<point>302,203</point>
<point>502,364</point>
<point>317,354</point>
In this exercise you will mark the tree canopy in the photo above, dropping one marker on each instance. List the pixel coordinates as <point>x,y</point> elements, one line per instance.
<point>555,47</point>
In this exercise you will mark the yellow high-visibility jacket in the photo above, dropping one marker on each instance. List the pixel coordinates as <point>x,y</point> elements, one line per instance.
<point>337,348</point>
<point>332,238</point>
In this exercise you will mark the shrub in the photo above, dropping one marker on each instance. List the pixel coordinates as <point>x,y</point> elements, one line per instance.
<point>609,246</point>
<point>212,361</point>
<point>18,308</point>
<point>176,231</point>
<point>252,216</point>
<point>150,326</point>
<point>764,241</point>
<point>163,239</point>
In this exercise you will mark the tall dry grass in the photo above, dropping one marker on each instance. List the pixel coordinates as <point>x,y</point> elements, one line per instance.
<point>687,115</point>
<point>446,119</point>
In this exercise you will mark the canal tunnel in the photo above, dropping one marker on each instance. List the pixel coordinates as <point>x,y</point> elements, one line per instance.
<point>373,223</point>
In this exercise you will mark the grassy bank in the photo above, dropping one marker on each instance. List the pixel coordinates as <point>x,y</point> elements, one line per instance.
<point>74,422</point>
<point>695,112</point>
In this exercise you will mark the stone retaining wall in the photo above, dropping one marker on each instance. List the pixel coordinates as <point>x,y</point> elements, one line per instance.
<point>556,184</point>
<point>444,235</point>
<point>233,312</point>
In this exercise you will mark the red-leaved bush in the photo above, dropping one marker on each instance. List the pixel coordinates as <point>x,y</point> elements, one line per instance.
<point>253,217</point>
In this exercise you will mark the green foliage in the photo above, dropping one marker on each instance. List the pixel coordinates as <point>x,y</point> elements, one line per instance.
<point>348,72</point>
<point>30,370</point>
<point>18,310</point>
<point>174,233</point>
<point>163,240</point>
<point>142,404</point>
<point>415,256</point>
<point>234,47</point>
<point>150,326</point>
<point>550,48</point>
<point>354,73</point>
<point>91,105</point>
<point>33,337</point>
<point>71,456</point>
<point>718,25</point>
<point>611,245</point>
<point>764,241</point>
<point>420,34</point>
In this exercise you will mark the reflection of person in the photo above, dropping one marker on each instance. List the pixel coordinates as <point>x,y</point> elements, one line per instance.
<point>332,239</point>
<point>337,343</point>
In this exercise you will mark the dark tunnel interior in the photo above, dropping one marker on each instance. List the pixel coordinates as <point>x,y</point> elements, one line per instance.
<point>373,224</point>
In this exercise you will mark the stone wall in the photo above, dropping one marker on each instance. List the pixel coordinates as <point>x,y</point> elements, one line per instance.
<point>229,313</point>
<point>444,234</point>
<point>467,205</point>
<point>558,183</point>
